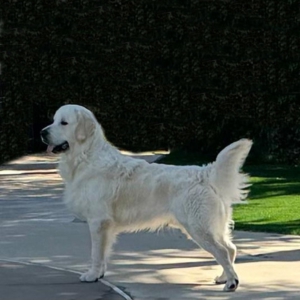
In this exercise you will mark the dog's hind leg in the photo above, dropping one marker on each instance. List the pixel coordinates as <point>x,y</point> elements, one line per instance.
<point>102,237</point>
<point>231,248</point>
<point>211,244</point>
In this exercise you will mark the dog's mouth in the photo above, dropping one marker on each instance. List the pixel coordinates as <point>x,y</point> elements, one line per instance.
<point>58,148</point>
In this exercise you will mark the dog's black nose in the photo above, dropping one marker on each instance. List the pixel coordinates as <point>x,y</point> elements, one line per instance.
<point>44,133</point>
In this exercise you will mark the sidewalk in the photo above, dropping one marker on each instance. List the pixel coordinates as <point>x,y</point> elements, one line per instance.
<point>37,229</point>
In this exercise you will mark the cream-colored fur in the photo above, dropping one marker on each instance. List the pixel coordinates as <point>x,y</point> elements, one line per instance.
<point>116,193</point>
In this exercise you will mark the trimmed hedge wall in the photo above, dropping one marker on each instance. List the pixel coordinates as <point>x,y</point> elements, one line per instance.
<point>157,74</point>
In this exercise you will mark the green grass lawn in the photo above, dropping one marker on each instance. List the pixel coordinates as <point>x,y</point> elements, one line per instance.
<point>274,200</point>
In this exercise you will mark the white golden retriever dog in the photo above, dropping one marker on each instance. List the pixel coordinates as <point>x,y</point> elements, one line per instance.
<point>116,193</point>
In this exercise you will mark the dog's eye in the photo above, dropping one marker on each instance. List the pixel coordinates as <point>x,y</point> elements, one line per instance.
<point>64,123</point>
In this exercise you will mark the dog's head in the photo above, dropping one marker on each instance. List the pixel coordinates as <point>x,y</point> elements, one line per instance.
<point>72,124</point>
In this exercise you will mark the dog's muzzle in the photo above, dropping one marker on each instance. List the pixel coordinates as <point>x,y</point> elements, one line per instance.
<point>53,148</point>
<point>44,136</point>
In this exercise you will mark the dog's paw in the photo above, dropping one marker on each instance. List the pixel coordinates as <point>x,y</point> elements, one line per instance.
<point>231,285</point>
<point>90,276</point>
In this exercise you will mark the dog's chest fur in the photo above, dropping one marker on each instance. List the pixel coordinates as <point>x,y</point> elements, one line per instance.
<point>74,194</point>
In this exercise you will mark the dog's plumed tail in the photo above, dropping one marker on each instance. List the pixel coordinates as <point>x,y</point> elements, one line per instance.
<point>226,176</point>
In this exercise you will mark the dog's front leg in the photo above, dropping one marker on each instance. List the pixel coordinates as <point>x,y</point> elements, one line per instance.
<point>102,237</point>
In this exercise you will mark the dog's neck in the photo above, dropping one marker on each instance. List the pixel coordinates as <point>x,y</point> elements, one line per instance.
<point>81,154</point>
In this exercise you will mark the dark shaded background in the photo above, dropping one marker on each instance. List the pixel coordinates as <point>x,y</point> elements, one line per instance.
<point>157,74</point>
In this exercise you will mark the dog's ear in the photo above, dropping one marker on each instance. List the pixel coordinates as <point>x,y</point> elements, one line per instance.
<point>86,126</point>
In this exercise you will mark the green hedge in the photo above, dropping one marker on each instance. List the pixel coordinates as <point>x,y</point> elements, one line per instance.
<point>157,74</point>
